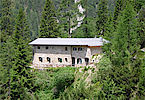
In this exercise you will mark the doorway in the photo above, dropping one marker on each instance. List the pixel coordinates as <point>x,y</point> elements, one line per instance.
<point>87,61</point>
<point>73,61</point>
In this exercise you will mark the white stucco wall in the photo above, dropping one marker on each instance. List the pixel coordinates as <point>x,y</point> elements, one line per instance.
<point>85,53</point>
<point>96,50</point>
<point>55,52</point>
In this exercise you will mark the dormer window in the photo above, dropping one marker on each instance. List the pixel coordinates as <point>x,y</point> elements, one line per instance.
<point>38,47</point>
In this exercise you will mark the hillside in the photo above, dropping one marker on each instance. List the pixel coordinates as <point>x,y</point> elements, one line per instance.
<point>34,8</point>
<point>113,70</point>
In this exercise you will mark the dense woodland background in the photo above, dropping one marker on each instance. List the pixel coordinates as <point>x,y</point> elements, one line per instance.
<point>120,74</point>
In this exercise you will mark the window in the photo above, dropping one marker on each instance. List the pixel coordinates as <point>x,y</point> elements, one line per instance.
<point>87,61</point>
<point>40,59</point>
<point>60,60</point>
<point>38,47</point>
<point>66,60</point>
<point>46,47</point>
<point>48,59</point>
<point>65,48</point>
<point>74,49</point>
<point>79,61</point>
<point>80,49</point>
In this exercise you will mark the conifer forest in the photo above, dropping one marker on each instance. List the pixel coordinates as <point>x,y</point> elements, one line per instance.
<point>120,73</point>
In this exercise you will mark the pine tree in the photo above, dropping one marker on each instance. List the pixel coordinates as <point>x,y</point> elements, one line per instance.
<point>85,23</point>
<point>124,79</point>
<point>141,19</point>
<point>86,30</point>
<point>125,41</point>
<point>120,5</point>
<point>102,16</point>
<point>138,4</point>
<point>67,14</point>
<point>6,47</point>
<point>6,26</point>
<point>21,78</point>
<point>141,85</point>
<point>48,24</point>
<point>87,27</point>
<point>6,62</point>
<point>22,28</point>
<point>109,35</point>
<point>109,29</point>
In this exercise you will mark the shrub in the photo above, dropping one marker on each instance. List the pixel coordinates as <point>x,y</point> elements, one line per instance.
<point>52,81</point>
<point>62,79</point>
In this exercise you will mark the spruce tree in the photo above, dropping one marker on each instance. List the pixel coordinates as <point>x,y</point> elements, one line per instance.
<point>109,29</point>
<point>109,35</point>
<point>85,23</point>
<point>141,85</point>
<point>86,30</point>
<point>7,53</point>
<point>102,17</point>
<point>125,41</point>
<point>67,13</point>
<point>141,19</point>
<point>6,26</point>
<point>6,47</point>
<point>138,4</point>
<point>124,78</point>
<point>87,27</point>
<point>120,5</point>
<point>21,78</point>
<point>48,24</point>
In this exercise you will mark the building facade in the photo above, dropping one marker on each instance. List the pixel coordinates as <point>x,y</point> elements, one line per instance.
<point>60,52</point>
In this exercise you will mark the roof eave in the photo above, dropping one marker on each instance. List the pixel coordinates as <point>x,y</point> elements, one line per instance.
<point>63,45</point>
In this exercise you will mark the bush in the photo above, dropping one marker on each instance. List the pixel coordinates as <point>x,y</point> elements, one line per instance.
<point>52,81</point>
<point>62,79</point>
